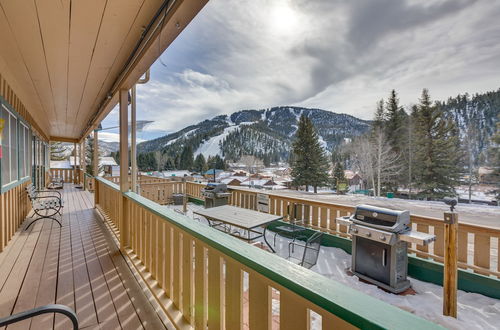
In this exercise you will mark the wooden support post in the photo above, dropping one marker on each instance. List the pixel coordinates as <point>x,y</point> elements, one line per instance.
<point>450,264</point>
<point>95,157</point>
<point>75,171</point>
<point>124,185</point>
<point>133,139</point>
<point>83,162</point>
<point>184,199</point>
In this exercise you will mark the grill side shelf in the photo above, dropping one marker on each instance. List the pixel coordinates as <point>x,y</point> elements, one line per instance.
<point>418,238</point>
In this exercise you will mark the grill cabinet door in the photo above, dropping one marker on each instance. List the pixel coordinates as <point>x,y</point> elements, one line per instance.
<point>373,259</point>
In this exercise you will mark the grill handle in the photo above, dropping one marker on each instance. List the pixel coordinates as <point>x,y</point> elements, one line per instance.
<point>384,257</point>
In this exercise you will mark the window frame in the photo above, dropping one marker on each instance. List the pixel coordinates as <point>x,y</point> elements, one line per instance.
<point>20,124</point>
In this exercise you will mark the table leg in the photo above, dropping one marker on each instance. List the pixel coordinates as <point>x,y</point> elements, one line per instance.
<point>265,240</point>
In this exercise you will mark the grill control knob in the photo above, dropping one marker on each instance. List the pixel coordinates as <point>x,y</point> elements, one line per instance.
<point>368,234</point>
<point>382,238</point>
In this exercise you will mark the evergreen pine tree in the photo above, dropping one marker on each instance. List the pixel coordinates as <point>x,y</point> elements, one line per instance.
<point>219,163</point>
<point>200,164</point>
<point>338,175</point>
<point>186,160</point>
<point>494,157</point>
<point>395,129</point>
<point>58,151</point>
<point>437,152</point>
<point>394,122</point>
<point>89,156</point>
<point>379,120</point>
<point>310,167</point>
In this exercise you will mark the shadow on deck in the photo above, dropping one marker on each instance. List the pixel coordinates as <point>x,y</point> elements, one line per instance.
<point>78,265</point>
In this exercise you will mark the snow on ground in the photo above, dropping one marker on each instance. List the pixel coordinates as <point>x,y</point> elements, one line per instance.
<point>475,311</point>
<point>211,147</point>
<point>485,215</point>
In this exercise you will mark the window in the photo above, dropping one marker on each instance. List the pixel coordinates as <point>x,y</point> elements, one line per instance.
<point>9,146</point>
<point>24,143</point>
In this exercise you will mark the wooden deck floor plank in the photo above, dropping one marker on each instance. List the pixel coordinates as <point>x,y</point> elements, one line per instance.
<point>106,312</point>
<point>105,248</point>
<point>12,285</point>
<point>48,285</point>
<point>26,298</point>
<point>12,252</point>
<point>78,265</point>
<point>64,291</point>
<point>84,300</point>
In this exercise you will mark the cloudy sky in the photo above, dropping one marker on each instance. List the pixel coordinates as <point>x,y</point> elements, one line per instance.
<point>336,55</point>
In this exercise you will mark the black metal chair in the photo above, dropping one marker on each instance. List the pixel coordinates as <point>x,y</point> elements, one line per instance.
<point>293,228</point>
<point>48,201</point>
<point>310,252</point>
<point>47,309</point>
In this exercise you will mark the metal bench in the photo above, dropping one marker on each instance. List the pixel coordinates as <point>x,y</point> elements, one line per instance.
<point>45,201</point>
<point>55,182</point>
<point>47,309</point>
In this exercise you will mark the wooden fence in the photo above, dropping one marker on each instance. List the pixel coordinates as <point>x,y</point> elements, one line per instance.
<point>478,246</point>
<point>206,279</point>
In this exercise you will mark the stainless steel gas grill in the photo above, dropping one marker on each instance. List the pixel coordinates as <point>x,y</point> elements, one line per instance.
<point>380,240</point>
<point>215,194</point>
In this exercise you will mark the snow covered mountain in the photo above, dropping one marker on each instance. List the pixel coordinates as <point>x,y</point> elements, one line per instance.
<point>263,133</point>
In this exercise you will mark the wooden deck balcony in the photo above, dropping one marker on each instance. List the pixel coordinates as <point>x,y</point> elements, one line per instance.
<point>78,265</point>
<point>131,263</point>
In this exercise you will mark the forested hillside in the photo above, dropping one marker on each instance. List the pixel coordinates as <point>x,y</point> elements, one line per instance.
<point>265,133</point>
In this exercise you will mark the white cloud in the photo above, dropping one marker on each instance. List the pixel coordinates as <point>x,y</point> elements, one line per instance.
<point>113,137</point>
<point>331,54</point>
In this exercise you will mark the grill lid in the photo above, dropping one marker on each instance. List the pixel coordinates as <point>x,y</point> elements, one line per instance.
<point>381,218</point>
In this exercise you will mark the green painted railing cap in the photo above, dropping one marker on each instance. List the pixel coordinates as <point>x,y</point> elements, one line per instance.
<point>346,303</point>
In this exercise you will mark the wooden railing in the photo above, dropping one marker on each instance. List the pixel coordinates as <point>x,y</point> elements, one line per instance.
<point>161,193</point>
<point>68,174</point>
<point>14,207</point>
<point>203,278</point>
<point>159,190</point>
<point>478,246</point>
<point>88,182</point>
<point>141,179</point>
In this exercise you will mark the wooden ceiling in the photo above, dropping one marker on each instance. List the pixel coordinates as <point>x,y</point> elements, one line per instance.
<point>66,55</point>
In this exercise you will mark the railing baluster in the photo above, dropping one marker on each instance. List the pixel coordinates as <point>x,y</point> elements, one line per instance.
<point>259,299</point>
<point>481,252</point>
<point>187,276</point>
<point>439,243</point>
<point>176,271</point>
<point>293,311</point>
<point>200,295</point>
<point>214,290</point>
<point>234,297</point>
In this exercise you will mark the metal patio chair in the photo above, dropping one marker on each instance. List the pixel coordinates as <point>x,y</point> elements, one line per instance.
<point>293,228</point>
<point>310,252</point>
<point>45,201</point>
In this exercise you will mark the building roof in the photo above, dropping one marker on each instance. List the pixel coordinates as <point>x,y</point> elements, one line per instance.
<point>262,182</point>
<point>107,161</point>
<point>180,173</point>
<point>60,164</point>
